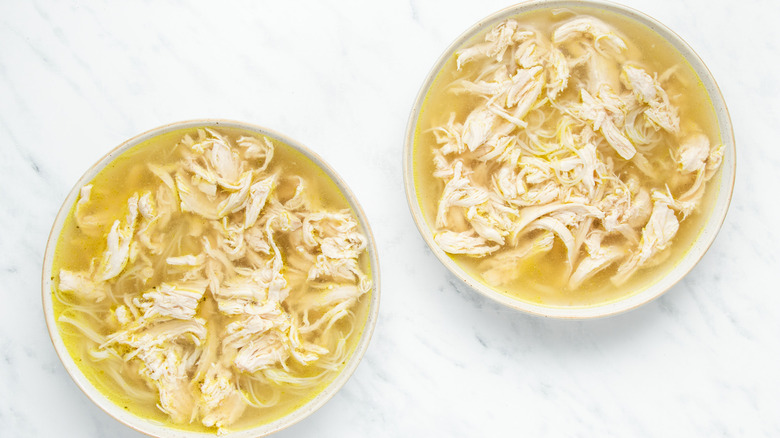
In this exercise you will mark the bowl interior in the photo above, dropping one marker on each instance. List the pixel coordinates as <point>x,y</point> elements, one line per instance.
<point>720,186</point>
<point>153,428</point>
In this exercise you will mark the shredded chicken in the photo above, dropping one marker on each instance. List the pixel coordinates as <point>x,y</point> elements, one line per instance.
<point>565,143</point>
<point>217,273</point>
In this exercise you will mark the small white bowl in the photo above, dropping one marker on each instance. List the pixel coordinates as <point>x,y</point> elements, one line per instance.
<point>723,184</point>
<point>155,429</point>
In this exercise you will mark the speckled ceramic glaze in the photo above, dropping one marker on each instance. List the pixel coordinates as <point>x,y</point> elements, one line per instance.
<point>154,428</point>
<point>723,184</point>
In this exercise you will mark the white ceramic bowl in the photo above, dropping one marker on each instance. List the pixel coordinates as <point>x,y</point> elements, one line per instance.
<point>723,184</point>
<point>155,429</point>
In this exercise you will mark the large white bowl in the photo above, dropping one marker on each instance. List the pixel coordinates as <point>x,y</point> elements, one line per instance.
<point>155,429</point>
<point>723,184</point>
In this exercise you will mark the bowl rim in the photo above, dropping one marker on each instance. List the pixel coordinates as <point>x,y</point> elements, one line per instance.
<point>156,429</point>
<point>724,180</point>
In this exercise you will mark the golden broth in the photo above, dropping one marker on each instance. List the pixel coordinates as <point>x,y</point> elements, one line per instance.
<point>543,281</point>
<point>112,186</point>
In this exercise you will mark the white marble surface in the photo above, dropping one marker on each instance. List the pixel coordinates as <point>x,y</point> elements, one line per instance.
<point>77,78</point>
